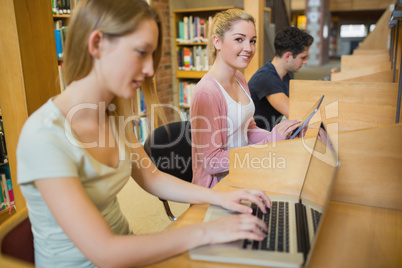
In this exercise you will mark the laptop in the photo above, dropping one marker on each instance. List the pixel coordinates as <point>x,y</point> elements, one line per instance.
<point>293,221</point>
<point>307,117</point>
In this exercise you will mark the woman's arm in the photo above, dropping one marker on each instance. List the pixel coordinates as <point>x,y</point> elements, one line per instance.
<point>208,122</point>
<point>257,135</point>
<point>87,229</point>
<point>171,188</point>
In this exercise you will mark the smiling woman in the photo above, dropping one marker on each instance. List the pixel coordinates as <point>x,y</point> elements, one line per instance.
<point>221,109</point>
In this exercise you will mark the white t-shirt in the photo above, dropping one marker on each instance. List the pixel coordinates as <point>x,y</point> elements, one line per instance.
<point>238,119</point>
<point>47,150</point>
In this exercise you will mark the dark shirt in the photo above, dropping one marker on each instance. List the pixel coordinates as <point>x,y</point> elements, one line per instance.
<point>263,83</point>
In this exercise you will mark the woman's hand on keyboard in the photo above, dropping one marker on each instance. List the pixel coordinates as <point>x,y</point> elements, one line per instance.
<point>232,200</point>
<point>234,227</point>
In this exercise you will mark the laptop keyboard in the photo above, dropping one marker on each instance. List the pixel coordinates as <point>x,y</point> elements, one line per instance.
<point>316,215</point>
<point>277,220</point>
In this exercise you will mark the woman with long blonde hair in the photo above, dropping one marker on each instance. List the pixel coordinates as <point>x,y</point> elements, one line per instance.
<point>221,110</point>
<point>74,153</point>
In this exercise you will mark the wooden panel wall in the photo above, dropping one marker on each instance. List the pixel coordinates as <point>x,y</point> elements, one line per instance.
<point>28,69</point>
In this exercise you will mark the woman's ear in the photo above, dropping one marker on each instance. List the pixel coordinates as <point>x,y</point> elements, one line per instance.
<point>95,43</point>
<point>217,43</point>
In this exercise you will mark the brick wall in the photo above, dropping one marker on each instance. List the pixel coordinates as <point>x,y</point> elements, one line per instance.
<point>164,75</point>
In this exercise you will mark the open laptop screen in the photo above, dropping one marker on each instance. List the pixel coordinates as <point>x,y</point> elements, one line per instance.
<point>320,174</point>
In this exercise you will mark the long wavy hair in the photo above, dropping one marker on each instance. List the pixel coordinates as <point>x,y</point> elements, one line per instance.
<point>114,18</point>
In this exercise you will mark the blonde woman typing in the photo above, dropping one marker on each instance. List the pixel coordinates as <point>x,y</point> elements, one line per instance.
<point>74,152</point>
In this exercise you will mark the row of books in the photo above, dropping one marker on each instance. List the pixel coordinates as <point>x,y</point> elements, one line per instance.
<point>186,90</point>
<point>62,7</point>
<point>193,29</point>
<point>6,189</point>
<point>6,186</point>
<point>192,59</point>
<point>3,148</point>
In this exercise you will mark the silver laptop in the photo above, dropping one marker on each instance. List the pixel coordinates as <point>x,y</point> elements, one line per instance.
<point>293,221</point>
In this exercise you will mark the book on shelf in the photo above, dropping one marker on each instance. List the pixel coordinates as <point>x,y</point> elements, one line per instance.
<point>140,124</point>
<point>2,201</point>
<point>141,106</point>
<point>59,46</point>
<point>187,58</point>
<point>197,51</point>
<point>3,147</point>
<point>144,129</point>
<point>180,32</point>
<point>7,191</point>
<point>185,30</point>
<point>190,29</point>
<point>203,31</point>
<point>61,77</point>
<point>184,114</point>
<point>180,59</point>
<point>60,34</point>
<point>181,95</point>
<point>196,27</point>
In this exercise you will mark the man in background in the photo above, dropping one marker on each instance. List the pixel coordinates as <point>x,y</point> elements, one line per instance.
<point>269,86</point>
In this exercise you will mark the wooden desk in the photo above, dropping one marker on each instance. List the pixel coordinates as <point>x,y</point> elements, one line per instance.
<point>348,105</point>
<point>350,236</point>
<point>381,73</point>
<point>358,234</point>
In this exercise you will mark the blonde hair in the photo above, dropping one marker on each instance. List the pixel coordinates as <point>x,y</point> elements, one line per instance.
<point>221,23</point>
<point>114,19</point>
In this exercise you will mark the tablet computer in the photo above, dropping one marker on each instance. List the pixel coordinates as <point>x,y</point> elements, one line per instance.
<point>307,117</point>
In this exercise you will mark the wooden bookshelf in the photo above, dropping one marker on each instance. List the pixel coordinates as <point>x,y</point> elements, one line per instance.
<point>29,78</point>
<point>191,76</point>
<point>255,7</point>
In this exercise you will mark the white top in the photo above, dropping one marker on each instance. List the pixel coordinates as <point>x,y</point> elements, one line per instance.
<point>238,119</point>
<point>46,150</point>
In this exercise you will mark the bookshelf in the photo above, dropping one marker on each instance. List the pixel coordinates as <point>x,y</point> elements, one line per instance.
<point>29,78</point>
<point>61,10</point>
<point>190,29</point>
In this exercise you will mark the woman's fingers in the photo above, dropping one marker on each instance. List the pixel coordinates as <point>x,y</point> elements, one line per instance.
<point>254,196</point>
<point>286,127</point>
<point>249,222</point>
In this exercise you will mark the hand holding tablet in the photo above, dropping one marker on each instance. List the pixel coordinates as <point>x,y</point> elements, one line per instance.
<point>306,118</point>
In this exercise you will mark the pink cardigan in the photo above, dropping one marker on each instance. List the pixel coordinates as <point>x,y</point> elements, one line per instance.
<point>208,113</point>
